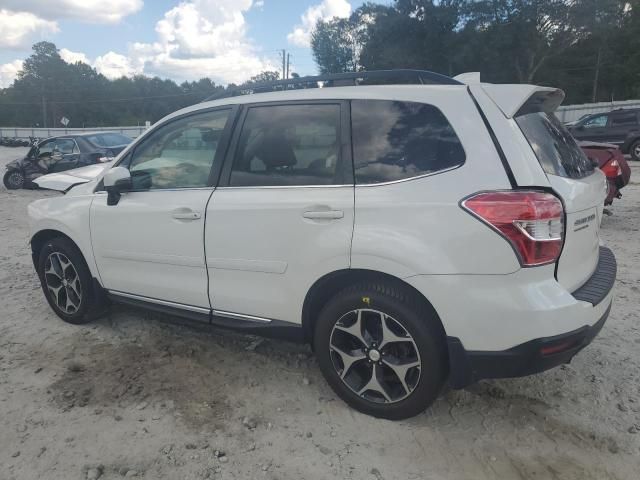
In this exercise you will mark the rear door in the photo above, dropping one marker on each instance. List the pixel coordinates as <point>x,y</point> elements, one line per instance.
<point>282,216</point>
<point>621,125</point>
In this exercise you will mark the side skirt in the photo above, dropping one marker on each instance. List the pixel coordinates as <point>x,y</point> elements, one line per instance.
<point>228,320</point>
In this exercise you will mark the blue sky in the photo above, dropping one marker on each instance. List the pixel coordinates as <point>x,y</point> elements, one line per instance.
<point>227,40</point>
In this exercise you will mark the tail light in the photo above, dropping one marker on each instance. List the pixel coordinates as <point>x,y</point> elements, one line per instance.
<point>532,222</point>
<point>612,168</point>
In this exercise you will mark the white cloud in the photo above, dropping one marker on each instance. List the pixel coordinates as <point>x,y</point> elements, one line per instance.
<point>20,29</point>
<point>328,9</point>
<point>90,11</point>
<point>9,72</point>
<point>73,57</point>
<point>201,38</point>
<point>113,65</point>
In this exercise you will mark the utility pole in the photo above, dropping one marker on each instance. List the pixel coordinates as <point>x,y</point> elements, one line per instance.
<point>44,108</point>
<point>288,60</point>
<point>284,60</point>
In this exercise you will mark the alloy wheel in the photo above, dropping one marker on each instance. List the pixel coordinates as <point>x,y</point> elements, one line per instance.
<point>375,356</point>
<point>636,151</point>
<point>63,282</point>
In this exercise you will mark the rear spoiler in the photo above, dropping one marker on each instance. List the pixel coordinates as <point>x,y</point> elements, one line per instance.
<point>516,99</point>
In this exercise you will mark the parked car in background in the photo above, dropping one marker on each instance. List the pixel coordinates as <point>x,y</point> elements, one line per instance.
<point>619,127</point>
<point>412,233</point>
<point>612,163</point>
<point>57,154</point>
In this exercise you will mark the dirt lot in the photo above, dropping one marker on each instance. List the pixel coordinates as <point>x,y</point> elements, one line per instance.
<point>134,394</point>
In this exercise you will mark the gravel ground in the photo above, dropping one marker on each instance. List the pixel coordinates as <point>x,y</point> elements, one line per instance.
<point>135,394</point>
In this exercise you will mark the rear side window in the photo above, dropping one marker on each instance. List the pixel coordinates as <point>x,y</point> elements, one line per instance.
<point>289,145</point>
<point>622,119</point>
<point>557,151</point>
<point>399,140</point>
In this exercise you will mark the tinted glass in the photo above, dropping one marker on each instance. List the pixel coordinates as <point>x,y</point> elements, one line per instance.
<point>46,147</point>
<point>594,122</point>
<point>285,145</point>
<point>557,151</point>
<point>109,139</point>
<point>179,154</point>
<point>398,140</point>
<point>66,146</point>
<point>624,119</point>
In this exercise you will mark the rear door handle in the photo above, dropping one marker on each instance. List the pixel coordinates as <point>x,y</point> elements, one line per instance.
<point>185,214</point>
<point>324,214</point>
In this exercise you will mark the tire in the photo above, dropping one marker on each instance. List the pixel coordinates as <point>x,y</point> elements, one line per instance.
<point>13,179</point>
<point>76,301</point>
<point>370,304</point>
<point>634,150</point>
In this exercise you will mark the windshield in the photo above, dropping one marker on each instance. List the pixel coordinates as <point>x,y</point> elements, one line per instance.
<point>109,139</point>
<point>557,151</point>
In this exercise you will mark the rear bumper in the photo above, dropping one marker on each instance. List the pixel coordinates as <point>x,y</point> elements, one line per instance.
<point>535,356</point>
<point>540,354</point>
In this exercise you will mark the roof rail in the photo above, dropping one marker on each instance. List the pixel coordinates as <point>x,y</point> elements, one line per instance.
<point>374,77</point>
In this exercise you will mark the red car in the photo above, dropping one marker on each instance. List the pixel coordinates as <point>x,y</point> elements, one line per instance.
<point>612,163</point>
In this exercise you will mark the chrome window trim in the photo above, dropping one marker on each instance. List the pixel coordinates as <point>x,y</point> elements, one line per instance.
<point>378,184</point>
<point>271,187</point>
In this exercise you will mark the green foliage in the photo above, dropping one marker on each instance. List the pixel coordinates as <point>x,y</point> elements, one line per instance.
<point>87,98</point>
<point>587,47</point>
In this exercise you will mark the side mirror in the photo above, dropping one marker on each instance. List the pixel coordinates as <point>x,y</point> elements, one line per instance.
<point>116,181</point>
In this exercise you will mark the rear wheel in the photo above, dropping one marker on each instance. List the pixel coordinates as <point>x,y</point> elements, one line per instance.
<point>13,179</point>
<point>381,350</point>
<point>66,282</point>
<point>635,150</point>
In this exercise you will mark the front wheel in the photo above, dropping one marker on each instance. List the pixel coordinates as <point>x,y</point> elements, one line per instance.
<point>381,350</point>
<point>66,282</point>
<point>13,179</point>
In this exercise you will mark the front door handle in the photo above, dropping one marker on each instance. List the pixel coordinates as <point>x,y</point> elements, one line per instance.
<point>324,214</point>
<point>185,214</point>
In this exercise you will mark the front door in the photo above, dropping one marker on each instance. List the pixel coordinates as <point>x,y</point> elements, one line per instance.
<point>283,216</point>
<point>151,243</point>
<point>65,155</point>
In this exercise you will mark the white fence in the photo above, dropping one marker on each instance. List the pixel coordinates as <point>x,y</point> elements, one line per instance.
<point>570,113</point>
<point>52,132</point>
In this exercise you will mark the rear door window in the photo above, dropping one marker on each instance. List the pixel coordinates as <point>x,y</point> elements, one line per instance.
<point>399,140</point>
<point>289,145</point>
<point>557,151</point>
<point>624,119</point>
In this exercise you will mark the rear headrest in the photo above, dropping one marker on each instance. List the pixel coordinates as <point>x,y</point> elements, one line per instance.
<point>275,151</point>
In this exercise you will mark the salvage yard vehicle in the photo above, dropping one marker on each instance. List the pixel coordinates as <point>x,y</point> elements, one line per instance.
<point>619,127</point>
<point>412,228</point>
<point>57,154</point>
<point>611,161</point>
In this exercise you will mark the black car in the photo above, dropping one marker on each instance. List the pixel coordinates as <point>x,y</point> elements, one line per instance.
<point>619,127</point>
<point>57,154</point>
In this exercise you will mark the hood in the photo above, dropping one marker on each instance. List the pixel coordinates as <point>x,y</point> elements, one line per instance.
<point>63,181</point>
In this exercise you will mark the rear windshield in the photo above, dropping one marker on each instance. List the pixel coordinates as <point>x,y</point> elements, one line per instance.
<point>109,139</point>
<point>557,151</point>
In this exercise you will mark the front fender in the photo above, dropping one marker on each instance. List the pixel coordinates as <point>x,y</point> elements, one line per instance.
<point>69,216</point>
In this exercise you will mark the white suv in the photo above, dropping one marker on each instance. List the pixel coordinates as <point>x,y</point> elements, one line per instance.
<point>413,232</point>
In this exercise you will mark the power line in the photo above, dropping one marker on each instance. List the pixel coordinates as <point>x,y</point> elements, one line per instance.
<point>111,100</point>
